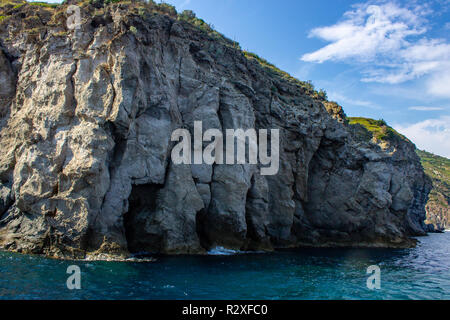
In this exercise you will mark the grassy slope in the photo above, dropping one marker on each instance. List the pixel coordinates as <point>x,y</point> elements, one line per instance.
<point>378,128</point>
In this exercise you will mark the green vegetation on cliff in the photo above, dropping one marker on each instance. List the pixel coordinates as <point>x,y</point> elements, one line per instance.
<point>378,130</point>
<point>437,167</point>
<point>11,2</point>
<point>271,68</point>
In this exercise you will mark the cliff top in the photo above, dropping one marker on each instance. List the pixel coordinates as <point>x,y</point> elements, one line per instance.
<point>37,17</point>
<point>378,130</point>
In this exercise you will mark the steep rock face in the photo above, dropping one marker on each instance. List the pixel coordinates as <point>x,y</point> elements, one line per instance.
<point>85,167</point>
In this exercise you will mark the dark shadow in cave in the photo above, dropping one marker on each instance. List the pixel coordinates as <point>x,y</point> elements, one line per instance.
<point>141,205</point>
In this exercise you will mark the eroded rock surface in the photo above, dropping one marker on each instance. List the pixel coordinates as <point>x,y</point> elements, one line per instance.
<point>85,166</point>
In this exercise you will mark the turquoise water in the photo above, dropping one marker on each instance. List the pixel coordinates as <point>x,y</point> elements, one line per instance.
<point>419,273</point>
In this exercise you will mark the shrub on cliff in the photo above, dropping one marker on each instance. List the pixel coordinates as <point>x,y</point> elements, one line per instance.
<point>167,9</point>
<point>323,94</point>
<point>187,15</point>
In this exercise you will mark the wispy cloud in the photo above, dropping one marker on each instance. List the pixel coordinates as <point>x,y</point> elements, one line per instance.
<point>390,45</point>
<point>366,32</point>
<point>432,135</point>
<point>424,108</point>
<point>439,83</point>
<point>340,98</point>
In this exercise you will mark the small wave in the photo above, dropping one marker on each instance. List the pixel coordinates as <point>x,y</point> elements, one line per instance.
<point>221,251</point>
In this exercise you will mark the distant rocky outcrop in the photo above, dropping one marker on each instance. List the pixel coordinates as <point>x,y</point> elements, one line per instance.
<point>86,120</point>
<point>437,207</point>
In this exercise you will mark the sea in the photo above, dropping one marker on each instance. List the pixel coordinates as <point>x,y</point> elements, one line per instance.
<point>422,272</point>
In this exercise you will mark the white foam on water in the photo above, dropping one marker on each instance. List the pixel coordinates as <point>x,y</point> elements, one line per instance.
<point>221,251</point>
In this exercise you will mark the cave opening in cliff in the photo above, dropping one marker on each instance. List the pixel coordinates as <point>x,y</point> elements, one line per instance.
<point>141,204</point>
<point>200,225</point>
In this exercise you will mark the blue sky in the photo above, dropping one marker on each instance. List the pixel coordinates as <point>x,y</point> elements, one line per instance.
<point>385,59</point>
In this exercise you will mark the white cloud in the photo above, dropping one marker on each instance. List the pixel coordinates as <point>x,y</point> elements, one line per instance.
<point>424,108</point>
<point>439,83</point>
<point>432,135</point>
<point>389,43</point>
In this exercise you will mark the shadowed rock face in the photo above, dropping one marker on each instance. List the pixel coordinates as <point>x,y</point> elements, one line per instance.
<point>85,166</point>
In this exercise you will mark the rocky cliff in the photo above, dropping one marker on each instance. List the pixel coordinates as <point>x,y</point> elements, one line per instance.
<point>86,120</point>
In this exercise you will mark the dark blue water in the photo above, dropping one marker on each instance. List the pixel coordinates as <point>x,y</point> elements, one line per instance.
<point>419,273</point>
